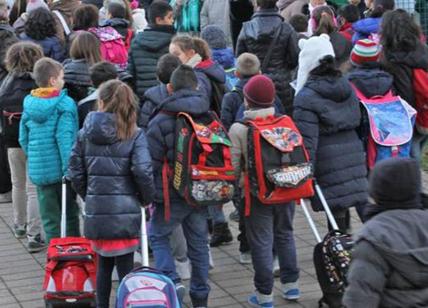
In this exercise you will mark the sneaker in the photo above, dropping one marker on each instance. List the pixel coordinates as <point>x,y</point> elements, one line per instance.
<point>275,267</point>
<point>183,269</point>
<point>19,231</point>
<point>35,244</point>
<point>221,235</point>
<point>291,291</point>
<point>245,258</point>
<point>260,300</point>
<point>234,216</point>
<point>6,197</point>
<point>181,291</point>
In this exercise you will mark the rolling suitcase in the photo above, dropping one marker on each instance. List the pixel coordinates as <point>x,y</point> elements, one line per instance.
<point>70,273</point>
<point>331,257</point>
<point>146,287</point>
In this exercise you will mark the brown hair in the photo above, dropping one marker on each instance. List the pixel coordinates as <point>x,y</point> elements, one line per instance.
<point>21,57</point>
<point>185,42</point>
<point>324,20</point>
<point>45,69</point>
<point>86,46</point>
<point>202,48</point>
<point>118,98</point>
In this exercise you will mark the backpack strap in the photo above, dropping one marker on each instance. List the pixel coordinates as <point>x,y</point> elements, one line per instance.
<point>64,24</point>
<point>165,184</point>
<point>272,44</point>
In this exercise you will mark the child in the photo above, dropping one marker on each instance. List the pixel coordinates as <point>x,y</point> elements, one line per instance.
<point>20,61</point>
<point>148,46</point>
<point>110,168</point>
<point>47,131</point>
<point>161,131</point>
<point>300,24</point>
<point>154,96</point>
<point>99,73</point>
<point>116,19</point>
<point>265,224</point>
<point>346,16</point>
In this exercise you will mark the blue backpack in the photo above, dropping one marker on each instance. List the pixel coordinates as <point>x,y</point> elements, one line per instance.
<point>146,287</point>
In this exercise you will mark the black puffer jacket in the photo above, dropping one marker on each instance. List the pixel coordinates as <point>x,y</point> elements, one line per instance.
<point>327,113</point>
<point>114,177</point>
<point>161,131</point>
<point>77,79</point>
<point>401,65</point>
<point>13,90</point>
<point>256,36</point>
<point>7,38</point>
<point>153,97</point>
<point>146,49</point>
<point>121,25</point>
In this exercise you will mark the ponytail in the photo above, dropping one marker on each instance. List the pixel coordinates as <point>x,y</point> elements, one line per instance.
<point>202,48</point>
<point>324,20</point>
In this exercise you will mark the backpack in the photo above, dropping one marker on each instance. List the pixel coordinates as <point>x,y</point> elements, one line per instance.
<point>202,173</point>
<point>112,46</point>
<point>218,90</point>
<point>391,122</point>
<point>279,170</point>
<point>420,88</point>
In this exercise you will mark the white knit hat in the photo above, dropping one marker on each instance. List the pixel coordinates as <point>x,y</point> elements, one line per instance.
<point>311,52</point>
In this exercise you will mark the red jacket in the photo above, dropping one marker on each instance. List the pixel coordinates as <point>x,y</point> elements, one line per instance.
<point>346,31</point>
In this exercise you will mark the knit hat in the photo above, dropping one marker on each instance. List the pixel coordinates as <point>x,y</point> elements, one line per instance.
<point>311,52</point>
<point>365,51</point>
<point>214,36</point>
<point>33,5</point>
<point>259,92</point>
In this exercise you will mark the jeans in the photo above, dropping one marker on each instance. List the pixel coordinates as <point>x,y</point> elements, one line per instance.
<point>124,265</point>
<point>5,182</point>
<point>242,237</point>
<point>195,229</point>
<point>178,244</point>
<point>265,225</point>
<point>216,214</point>
<point>24,194</point>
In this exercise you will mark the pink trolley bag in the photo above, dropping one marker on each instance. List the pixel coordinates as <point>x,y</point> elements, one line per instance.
<point>146,287</point>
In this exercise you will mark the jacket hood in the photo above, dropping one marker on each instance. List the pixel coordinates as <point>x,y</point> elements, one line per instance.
<point>282,4</point>
<point>116,22</point>
<point>371,81</point>
<point>224,57</point>
<point>213,70</point>
<point>332,88</point>
<point>262,30</point>
<point>155,38</point>
<point>100,128</point>
<point>186,100</point>
<point>40,109</point>
<point>156,94</point>
<point>417,58</point>
<point>402,238</point>
<point>66,7</point>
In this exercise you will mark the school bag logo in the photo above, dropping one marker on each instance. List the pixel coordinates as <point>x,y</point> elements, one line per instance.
<point>420,88</point>
<point>391,122</point>
<point>279,170</point>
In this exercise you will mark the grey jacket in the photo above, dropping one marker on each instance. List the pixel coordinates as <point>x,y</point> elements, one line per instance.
<point>216,12</point>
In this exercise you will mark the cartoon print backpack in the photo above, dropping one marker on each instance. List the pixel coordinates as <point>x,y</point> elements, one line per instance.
<point>112,46</point>
<point>391,122</point>
<point>202,173</point>
<point>420,89</point>
<point>279,170</point>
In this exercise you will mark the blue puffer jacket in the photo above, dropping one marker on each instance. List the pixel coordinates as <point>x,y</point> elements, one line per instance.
<point>161,132</point>
<point>224,57</point>
<point>327,113</point>
<point>208,71</point>
<point>47,131</point>
<point>52,47</point>
<point>113,176</point>
<point>152,98</point>
<point>365,27</point>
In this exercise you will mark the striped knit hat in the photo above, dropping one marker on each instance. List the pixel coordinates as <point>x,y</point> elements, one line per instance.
<point>365,51</point>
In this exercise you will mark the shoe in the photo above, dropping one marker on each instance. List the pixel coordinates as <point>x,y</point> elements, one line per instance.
<point>35,244</point>
<point>234,216</point>
<point>260,300</point>
<point>221,235</point>
<point>245,258</point>
<point>6,197</point>
<point>183,269</point>
<point>210,259</point>
<point>19,231</point>
<point>275,267</point>
<point>199,303</point>
<point>180,289</point>
<point>291,291</point>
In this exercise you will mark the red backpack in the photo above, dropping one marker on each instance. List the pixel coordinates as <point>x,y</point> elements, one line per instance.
<point>420,88</point>
<point>203,173</point>
<point>279,170</point>
<point>111,45</point>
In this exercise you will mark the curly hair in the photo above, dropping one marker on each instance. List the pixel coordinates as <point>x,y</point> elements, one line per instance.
<point>85,17</point>
<point>21,57</point>
<point>40,24</point>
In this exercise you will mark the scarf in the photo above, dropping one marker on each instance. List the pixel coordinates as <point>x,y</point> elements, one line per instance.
<point>193,61</point>
<point>45,92</point>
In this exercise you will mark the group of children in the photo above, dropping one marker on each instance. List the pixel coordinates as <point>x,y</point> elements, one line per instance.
<point>127,119</point>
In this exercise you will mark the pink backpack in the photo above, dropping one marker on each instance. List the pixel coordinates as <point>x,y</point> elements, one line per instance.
<point>112,47</point>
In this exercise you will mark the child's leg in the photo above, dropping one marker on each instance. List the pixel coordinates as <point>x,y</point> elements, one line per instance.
<point>17,164</point>
<point>124,265</point>
<point>178,244</point>
<point>105,268</point>
<point>34,223</point>
<point>72,213</point>
<point>244,247</point>
<point>50,209</point>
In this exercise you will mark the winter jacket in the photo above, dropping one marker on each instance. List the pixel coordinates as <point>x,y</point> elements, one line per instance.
<point>401,65</point>
<point>153,97</point>
<point>208,72</point>
<point>296,7</point>
<point>216,12</point>
<point>327,113</point>
<point>121,25</point>
<point>161,132</point>
<point>256,36</point>
<point>224,57</point>
<point>47,132</point>
<point>77,79</point>
<point>346,31</point>
<point>51,46</point>
<point>146,49</point>
<point>7,38</point>
<point>13,90</point>
<point>87,105</point>
<point>97,3</point>
<point>365,27</point>
<point>342,47</point>
<point>114,177</point>
<point>240,12</point>
<point>66,8</point>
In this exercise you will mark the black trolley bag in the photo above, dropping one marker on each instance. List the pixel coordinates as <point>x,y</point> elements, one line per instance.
<point>332,255</point>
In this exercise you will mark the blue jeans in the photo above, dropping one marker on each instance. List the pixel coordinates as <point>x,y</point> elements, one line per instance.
<point>265,225</point>
<point>195,229</point>
<point>216,214</point>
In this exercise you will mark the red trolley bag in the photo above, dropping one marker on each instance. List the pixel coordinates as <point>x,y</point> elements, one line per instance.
<point>70,268</point>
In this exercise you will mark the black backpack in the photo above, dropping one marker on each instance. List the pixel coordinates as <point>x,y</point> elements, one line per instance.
<point>217,93</point>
